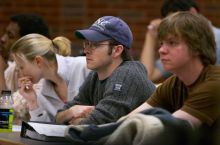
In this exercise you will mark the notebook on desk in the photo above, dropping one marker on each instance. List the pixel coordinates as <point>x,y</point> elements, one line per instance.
<point>43,131</point>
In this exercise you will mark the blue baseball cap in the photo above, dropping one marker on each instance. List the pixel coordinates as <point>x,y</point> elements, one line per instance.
<point>107,28</point>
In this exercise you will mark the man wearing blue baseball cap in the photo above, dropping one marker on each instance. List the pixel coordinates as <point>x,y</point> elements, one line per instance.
<point>117,84</point>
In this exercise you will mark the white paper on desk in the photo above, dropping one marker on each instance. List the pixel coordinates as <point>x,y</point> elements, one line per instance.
<point>49,129</point>
<point>16,128</point>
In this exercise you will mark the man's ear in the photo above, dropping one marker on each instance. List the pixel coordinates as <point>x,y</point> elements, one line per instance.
<point>117,50</point>
<point>38,60</point>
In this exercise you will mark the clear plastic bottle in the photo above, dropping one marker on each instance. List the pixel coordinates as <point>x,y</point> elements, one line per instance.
<point>6,111</point>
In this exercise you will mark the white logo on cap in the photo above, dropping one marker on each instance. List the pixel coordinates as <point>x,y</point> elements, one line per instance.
<point>100,23</point>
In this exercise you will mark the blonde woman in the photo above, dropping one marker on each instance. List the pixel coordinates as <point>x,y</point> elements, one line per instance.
<point>37,59</point>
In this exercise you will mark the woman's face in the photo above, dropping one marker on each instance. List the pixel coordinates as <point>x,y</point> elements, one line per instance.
<point>28,68</point>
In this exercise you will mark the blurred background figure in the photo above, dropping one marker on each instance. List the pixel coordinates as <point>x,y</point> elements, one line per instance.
<point>18,26</point>
<point>149,56</point>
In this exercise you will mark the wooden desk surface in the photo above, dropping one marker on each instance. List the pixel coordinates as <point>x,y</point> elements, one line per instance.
<point>15,139</point>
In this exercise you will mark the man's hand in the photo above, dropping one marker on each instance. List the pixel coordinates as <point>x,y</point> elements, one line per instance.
<point>79,111</point>
<point>74,114</point>
<point>76,121</point>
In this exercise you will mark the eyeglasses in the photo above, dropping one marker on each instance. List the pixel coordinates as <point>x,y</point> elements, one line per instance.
<point>93,45</point>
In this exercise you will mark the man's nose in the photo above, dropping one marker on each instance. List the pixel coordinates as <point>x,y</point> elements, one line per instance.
<point>3,38</point>
<point>86,50</point>
<point>162,49</point>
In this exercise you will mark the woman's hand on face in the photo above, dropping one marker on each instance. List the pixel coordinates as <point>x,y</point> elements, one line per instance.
<point>26,90</point>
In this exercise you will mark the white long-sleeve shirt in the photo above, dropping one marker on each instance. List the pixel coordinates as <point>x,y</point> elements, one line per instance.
<point>74,71</point>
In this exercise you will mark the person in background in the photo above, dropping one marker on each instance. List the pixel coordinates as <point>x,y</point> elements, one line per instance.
<point>37,59</point>
<point>19,25</point>
<point>188,50</point>
<point>149,55</point>
<point>116,85</point>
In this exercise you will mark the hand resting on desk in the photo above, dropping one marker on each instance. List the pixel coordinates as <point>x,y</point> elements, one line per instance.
<point>74,114</point>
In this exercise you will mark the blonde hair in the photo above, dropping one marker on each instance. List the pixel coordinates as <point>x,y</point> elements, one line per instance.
<point>63,44</point>
<point>32,45</point>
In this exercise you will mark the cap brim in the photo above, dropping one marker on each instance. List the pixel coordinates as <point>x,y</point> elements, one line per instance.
<point>91,35</point>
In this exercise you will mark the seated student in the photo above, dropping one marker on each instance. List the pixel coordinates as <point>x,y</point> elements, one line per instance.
<point>19,25</point>
<point>188,50</point>
<point>36,58</point>
<point>149,53</point>
<point>116,85</point>
<point>21,111</point>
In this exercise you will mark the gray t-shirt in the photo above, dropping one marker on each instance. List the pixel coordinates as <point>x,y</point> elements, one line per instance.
<point>126,89</point>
